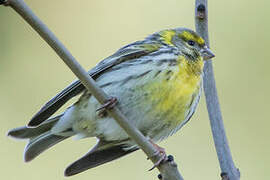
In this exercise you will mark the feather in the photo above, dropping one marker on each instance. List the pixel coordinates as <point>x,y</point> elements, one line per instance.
<point>102,153</point>
<point>124,54</point>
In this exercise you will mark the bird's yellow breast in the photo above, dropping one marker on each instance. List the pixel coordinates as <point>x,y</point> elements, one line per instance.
<point>172,97</point>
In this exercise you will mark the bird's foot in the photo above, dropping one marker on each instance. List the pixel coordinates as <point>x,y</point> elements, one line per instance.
<point>109,104</point>
<point>161,152</point>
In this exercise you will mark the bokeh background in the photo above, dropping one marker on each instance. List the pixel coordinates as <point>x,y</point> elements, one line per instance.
<point>31,73</point>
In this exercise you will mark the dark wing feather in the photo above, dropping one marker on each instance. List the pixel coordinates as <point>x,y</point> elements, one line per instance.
<point>126,53</point>
<point>55,103</point>
<point>96,157</point>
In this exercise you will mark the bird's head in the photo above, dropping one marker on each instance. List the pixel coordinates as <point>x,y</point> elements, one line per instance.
<point>189,43</point>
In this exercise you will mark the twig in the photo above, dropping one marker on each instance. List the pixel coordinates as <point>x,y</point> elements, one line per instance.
<point>229,171</point>
<point>168,169</point>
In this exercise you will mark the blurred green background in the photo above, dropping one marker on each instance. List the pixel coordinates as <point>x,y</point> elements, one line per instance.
<point>31,73</point>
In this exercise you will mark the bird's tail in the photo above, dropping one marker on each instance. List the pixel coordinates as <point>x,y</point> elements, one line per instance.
<point>40,138</point>
<point>102,153</point>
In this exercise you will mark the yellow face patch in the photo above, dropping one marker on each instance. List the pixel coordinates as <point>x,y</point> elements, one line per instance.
<point>167,36</point>
<point>189,69</point>
<point>193,37</point>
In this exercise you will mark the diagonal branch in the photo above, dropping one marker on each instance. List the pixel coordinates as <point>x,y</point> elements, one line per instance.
<point>229,171</point>
<point>168,169</point>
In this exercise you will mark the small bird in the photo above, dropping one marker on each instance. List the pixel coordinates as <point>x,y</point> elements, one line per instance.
<point>157,83</point>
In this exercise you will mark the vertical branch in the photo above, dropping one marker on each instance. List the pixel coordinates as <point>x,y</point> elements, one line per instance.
<point>229,171</point>
<point>167,169</point>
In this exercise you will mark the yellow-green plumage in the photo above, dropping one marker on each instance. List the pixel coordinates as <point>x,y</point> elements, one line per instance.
<point>157,82</point>
<point>177,88</point>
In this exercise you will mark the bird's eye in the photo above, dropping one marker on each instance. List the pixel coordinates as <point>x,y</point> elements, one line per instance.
<point>191,43</point>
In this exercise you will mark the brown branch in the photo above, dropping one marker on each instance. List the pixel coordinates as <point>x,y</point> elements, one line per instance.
<point>229,171</point>
<point>167,169</point>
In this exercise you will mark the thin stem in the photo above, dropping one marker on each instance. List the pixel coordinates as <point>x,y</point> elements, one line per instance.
<point>168,170</point>
<point>229,171</point>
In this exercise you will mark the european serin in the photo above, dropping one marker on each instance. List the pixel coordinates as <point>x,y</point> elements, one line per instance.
<point>158,83</point>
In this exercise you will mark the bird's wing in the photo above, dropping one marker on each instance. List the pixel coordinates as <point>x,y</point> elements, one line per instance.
<point>126,53</point>
<point>102,153</point>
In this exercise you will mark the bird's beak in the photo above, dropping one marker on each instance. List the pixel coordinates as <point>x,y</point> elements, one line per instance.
<point>207,53</point>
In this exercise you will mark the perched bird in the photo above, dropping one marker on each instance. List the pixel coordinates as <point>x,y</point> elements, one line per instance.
<point>157,83</point>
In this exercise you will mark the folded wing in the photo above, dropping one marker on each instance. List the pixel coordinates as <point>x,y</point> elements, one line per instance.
<point>126,53</point>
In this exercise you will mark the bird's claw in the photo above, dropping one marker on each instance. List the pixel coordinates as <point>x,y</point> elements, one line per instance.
<point>109,104</point>
<point>163,158</point>
<point>161,152</point>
